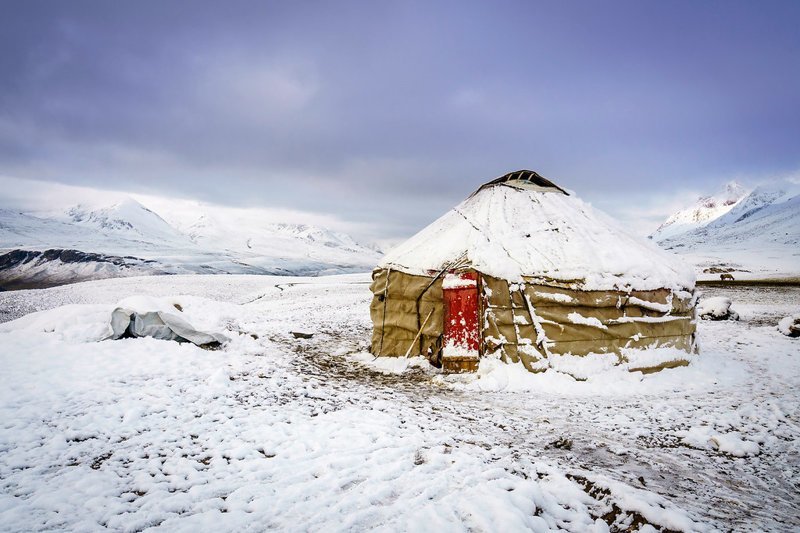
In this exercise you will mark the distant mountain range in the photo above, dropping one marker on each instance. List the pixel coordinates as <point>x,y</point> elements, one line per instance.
<point>704,211</point>
<point>126,238</point>
<point>750,233</point>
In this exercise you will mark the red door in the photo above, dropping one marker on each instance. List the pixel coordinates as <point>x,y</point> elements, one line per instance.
<point>461,325</point>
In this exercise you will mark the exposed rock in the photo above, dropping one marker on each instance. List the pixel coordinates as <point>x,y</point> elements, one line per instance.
<point>790,326</point>
<point>717,308</point>
<point>33,269</point>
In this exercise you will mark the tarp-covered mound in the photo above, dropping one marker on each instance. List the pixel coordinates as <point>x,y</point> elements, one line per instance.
<point>556,277</point>
<point>180,318</point>
<point>148,317</point>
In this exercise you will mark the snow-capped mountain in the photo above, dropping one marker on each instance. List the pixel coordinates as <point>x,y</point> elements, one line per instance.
<point>127,238</point>
<point>704,211</point>
<point>757,235</point>
<point>127,219</point>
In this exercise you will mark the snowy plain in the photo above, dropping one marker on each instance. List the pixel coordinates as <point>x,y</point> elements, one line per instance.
<point>273,432</point>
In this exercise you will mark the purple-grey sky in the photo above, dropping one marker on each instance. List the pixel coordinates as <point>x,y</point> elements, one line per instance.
<point>388,113</point>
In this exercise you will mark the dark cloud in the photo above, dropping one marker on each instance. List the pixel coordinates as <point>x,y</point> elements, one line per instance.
<point>391,112</point>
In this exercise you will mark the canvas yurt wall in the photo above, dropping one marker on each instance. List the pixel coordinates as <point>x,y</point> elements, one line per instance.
<point>401,303</point>
<point>531,322</point>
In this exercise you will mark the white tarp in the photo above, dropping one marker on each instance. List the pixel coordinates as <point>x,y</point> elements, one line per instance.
<point>159,325</point>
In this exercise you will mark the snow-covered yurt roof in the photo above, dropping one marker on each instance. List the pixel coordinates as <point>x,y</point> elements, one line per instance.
<point>523,225</point>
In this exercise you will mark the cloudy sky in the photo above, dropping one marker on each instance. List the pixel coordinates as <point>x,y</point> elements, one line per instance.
<point>384,114</point>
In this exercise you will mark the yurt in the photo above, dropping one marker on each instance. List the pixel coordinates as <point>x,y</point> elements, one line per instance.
<point>525,272</point>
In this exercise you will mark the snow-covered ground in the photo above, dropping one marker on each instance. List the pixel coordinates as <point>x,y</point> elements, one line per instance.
<point>273,432</point>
